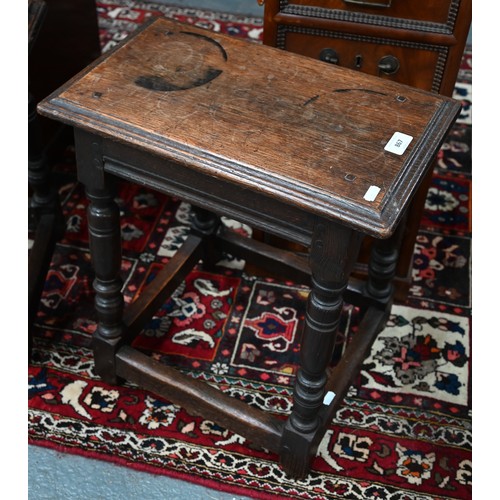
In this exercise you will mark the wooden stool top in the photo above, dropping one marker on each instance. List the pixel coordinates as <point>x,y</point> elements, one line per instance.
<point>334,142</point>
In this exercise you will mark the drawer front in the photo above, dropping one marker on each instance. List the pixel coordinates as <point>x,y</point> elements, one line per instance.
<point>415,64</point>
<point>426,15</point>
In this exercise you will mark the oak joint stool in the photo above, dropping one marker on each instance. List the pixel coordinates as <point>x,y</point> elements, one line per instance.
<point>316,154</point>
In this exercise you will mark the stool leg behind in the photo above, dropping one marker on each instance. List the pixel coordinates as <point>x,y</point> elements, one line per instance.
<point>205,224</point>
<point>382,266</point>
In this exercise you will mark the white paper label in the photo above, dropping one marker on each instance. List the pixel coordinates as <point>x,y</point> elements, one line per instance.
<point>372,193</point>
<point>398,143</point>
<point>329,397</point>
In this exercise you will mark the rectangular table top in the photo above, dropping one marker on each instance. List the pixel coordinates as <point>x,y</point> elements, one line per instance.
<point>326,139</point>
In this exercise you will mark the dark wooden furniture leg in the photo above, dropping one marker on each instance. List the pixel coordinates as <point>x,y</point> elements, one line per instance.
<point>333,255</point>
<point>52,26</point>
<point>334,250</point>
<point>45,216</point>
<point>105,248</point>
<point>382,265</point>
<point>205,224</point>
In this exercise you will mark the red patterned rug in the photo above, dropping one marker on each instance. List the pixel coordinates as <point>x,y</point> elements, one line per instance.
<point>404,431</point>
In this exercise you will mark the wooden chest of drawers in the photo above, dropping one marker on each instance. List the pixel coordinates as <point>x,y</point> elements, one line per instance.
<point>415,42</point>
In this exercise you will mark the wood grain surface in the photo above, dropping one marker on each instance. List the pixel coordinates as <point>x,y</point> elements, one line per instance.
<point>297,129</point>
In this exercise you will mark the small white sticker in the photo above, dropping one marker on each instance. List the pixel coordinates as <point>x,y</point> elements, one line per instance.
<point>372,193</point>
<point>329,397</point>
<point>398,143</point>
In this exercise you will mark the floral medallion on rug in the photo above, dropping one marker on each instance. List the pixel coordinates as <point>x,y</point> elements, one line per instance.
<point>404,430</point>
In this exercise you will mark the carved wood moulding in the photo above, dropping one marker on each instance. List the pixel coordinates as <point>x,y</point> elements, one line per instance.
<point>379,20</point>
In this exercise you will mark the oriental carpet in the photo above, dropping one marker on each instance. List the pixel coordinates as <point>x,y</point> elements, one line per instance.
<point>404,431</point>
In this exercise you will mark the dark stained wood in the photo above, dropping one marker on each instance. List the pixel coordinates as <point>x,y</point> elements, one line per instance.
<point>37,9</point>
<point>333,253</point>
<point>205,224</point>
<point>382,265</point>
<point>105,250</point>
<point>67,41</point>
<point>269,138</point>
<point>199,398</point>
<point>273,261</point>
<point>297,450</point>
<point>288,265</point>
<point>38,264</point>
<point>341,377</point>
<point>44,196</point>
<point>162,287</point>
<point>45,217</point>
<point>62,39</point>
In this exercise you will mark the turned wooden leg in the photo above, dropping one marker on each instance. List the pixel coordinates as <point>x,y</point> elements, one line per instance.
<point>44,197</point>
<point>44,215</point>
<point>38,170</point>
<point>105,249</point>
<point>205,224</point>
<point>382,266</point>
<point>333,253</point>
